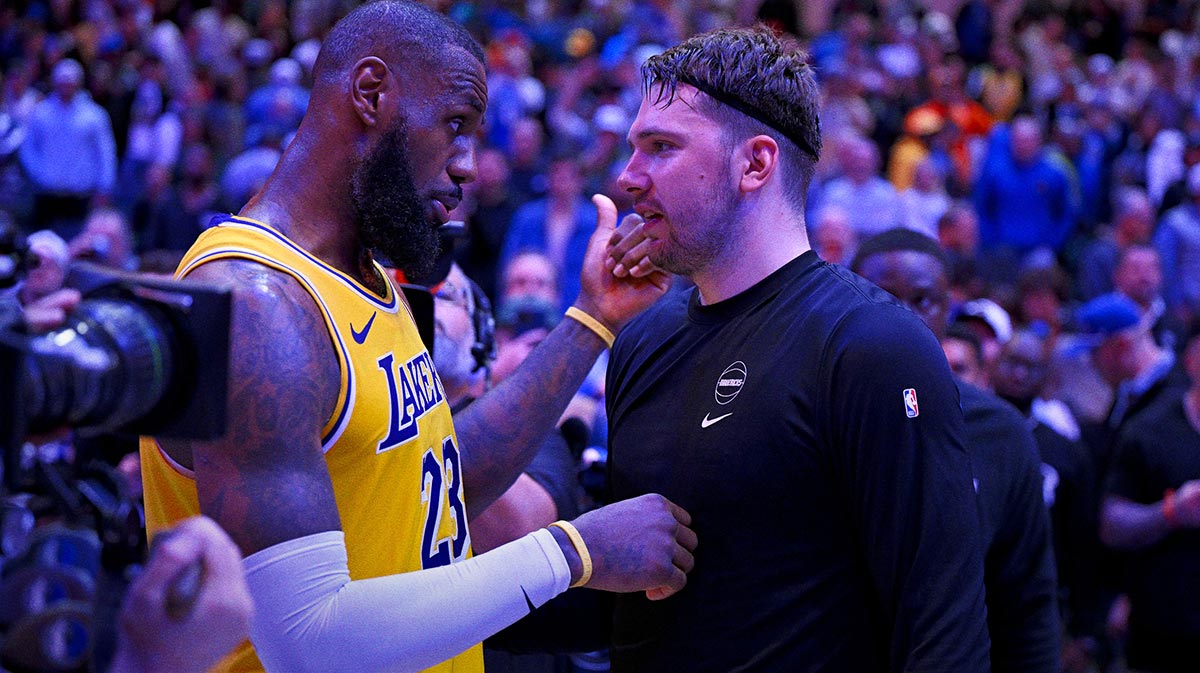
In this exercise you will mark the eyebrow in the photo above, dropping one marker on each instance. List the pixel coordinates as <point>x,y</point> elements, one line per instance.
<point>653,131</point>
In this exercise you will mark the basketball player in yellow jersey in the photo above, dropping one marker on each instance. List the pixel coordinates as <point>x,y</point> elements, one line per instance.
<point>341,476</point>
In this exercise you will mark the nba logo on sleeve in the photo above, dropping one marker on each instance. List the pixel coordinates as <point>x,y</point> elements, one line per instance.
<point>910,402</point>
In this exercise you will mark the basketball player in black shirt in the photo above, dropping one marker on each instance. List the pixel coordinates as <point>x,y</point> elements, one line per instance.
<point>807,421</point>
<point>1019,572</point>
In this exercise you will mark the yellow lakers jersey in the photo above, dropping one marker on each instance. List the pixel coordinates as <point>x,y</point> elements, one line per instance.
<point>389,445</point>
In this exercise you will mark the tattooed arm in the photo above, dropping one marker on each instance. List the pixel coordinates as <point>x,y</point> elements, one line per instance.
<point>266,481</point>
<point>500,432</point>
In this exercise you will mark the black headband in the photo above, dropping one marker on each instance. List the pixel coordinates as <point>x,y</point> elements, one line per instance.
<point>752,111</point>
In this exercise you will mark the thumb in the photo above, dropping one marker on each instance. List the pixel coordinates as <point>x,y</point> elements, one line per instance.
<point>606,212</point>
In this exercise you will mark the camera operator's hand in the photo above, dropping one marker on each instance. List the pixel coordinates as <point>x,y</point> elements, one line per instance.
<point>50,311</point>
<point>643,543</point>
<point>189,607</point>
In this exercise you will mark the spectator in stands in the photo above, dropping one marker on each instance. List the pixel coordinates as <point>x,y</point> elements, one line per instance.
<point>1152,506</point>
<point>926,200</point>
<point>491,205</point>
<point>557,226</point>
<point>1126,356</point>
<point>833,237</point>
<point>1042,293</point>
<point>174,219</point>
<point>1139,276</point>
<point>154,141</point>
<point>1000,82</point>
<point>958,234</point>
<point>968,120</point>
<point>1178,243</point>
<point>1023,198</point>
<point>990,323</point>
<point>1083,156</point>
<point>964,353</point>
<point>530,274</point>
<point>1018,561</point>
<point>870,201</point>
<point>1068,480</point>
<point>276,107</point>
<point>1133,222</point>
<point>924,139</point>
<point>247,172</point>
<point>68,153</point>
<point>106,240</point>
<point>526,142</point>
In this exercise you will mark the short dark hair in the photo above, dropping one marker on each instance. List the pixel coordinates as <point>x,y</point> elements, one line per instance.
<point>756,84</point>
<point>960,332</point>
<point>393,30</point>
<point>900,239</point>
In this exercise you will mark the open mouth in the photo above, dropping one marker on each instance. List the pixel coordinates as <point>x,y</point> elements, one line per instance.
<point>649,216</point>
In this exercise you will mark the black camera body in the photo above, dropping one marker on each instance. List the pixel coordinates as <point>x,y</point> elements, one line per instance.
<point>139,355</point>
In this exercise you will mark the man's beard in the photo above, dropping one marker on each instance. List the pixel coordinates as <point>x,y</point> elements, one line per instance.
<point>710,229</point>
<point>392,216</point>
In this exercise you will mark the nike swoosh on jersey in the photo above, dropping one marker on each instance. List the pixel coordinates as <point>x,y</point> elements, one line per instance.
<point>709,421</point>
<point>360,337</point>
<point>528,602</point>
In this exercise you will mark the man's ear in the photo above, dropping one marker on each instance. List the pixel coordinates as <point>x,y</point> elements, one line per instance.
<point>759,160</point>
<point>369,79</point>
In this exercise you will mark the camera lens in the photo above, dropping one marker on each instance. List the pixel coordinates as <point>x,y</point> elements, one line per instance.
<point>109,365</point>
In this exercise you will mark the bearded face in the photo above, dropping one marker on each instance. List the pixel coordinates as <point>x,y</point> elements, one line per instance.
<point>393,218</point>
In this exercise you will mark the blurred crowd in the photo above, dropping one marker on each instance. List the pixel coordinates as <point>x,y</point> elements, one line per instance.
<point>1050,147</point>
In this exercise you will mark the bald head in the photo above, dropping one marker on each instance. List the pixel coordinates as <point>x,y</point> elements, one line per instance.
<point>393,30</point>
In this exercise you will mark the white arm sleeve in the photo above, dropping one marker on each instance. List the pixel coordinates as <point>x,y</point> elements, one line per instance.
<point>309,616</point>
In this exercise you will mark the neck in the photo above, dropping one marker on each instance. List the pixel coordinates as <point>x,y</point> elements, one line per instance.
<point>769,238</point>
<point>307,199</point>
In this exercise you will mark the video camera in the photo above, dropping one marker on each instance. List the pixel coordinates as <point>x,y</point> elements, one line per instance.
<point>139,355</point>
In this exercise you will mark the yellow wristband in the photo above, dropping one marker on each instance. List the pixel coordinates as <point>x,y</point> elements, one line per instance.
<point>592,324</point>
<point>580,548</point>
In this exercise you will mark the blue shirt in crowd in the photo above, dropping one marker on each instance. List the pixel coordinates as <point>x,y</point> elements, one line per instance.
<point>69,148</point>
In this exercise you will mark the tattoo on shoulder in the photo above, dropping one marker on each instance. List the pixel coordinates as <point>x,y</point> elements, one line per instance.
<point>284,382</point>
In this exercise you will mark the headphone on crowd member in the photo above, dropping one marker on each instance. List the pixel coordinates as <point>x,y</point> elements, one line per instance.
<point>484,323</point>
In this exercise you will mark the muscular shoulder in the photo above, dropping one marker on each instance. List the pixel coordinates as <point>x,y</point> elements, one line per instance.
<point>281,359</point>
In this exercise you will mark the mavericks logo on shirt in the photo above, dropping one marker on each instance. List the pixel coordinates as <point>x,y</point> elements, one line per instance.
<point>730,382</point>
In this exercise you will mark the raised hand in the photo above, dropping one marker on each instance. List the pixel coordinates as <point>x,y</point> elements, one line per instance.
<point>50,311</point>
<point>640,544</point>
<point>628,249</point>
<point>612,299</point>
